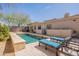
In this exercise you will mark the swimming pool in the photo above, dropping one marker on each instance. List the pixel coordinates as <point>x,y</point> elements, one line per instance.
<point>30,38</point>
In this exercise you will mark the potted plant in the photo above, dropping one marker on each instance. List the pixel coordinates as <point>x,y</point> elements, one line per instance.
<point>4,36</point>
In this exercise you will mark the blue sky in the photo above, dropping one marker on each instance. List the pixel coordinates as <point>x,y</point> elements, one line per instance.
<point>42,12</point>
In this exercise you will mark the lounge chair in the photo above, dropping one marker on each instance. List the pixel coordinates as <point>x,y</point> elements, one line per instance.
<point>56,45</point>
<point>73,45</point>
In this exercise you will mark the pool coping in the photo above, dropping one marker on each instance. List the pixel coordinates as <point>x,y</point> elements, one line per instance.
<point>40,35</point>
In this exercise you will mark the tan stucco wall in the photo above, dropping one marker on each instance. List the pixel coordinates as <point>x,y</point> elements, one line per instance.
<point>61,23</point>
<point>60,32</point>
<point>69,24</point>
<point>18,42</point>
<point>2,47</point>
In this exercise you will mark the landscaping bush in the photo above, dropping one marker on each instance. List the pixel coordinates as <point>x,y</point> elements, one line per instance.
<point>4,32</point>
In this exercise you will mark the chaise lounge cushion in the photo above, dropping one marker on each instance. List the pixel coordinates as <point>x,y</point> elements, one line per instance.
<point>58,38</point>
<point>50,43</point>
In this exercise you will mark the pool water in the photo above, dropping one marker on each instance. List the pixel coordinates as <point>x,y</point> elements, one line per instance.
<point>29,38</point>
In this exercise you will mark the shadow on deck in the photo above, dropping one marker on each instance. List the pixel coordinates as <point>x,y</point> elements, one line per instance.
<point>9,49</point>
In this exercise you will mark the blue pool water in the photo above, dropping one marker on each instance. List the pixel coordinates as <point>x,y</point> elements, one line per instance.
<point>29,38</point>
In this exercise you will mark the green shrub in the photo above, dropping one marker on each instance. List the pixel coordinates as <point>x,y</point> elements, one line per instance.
<point>4,32</point>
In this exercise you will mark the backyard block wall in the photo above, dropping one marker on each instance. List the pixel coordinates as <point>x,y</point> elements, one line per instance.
<point>60,32</point>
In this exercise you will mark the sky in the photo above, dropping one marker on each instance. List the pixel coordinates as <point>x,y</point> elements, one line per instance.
<point>39,12</point>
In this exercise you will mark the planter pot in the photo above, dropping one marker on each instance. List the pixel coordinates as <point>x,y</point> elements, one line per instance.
<point>2,47</point>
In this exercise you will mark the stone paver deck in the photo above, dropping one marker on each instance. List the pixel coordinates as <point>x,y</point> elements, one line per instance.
<point>34,50</point>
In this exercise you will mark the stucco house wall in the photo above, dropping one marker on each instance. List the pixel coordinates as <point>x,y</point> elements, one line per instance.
<point>66,24</point>
<point>39,31</point>
<point>70,22</point>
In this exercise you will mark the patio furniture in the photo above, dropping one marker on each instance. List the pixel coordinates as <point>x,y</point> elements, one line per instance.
<point>73,45</point>
<point>56,45</point>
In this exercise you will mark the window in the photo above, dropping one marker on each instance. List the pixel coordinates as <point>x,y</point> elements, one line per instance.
<point>49,26</point>
<point>39,27</point>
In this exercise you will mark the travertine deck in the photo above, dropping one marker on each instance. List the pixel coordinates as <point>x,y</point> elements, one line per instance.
<point>34,50</point>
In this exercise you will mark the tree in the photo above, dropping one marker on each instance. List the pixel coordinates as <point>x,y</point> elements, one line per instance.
<point>8,5</point>
<point>1,8</point>
<point>18,19</point>
<point>14,19</point>
<point>1,15</point>
<point>4,32</point>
